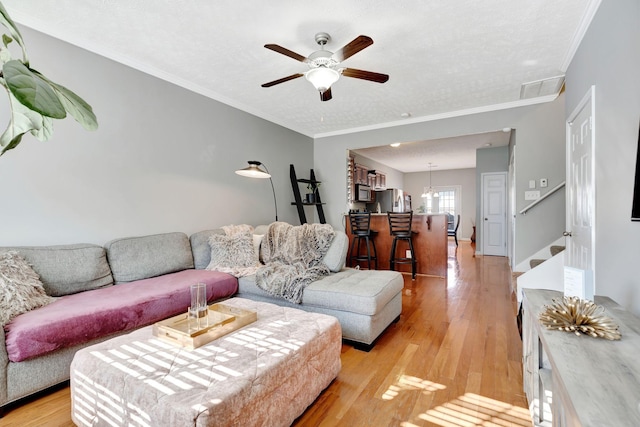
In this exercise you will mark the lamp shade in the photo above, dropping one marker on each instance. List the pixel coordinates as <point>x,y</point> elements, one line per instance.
<point>253,171</point>
<point>322,77</point>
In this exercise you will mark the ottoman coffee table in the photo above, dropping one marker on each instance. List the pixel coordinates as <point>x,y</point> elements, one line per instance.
<point>263,374</point>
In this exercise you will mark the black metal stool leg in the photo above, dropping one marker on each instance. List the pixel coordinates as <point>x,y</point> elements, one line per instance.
<point>392,259</point>
<point>375,254</point>
<point>366,239</point>
<point>351,253</point>
<point>413,260</point>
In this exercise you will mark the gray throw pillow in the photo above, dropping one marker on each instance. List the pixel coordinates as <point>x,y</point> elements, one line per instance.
<point>232,251</point>
<point>20,287</point>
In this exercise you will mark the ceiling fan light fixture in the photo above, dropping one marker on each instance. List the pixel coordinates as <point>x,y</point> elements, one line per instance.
<point>322,77</point>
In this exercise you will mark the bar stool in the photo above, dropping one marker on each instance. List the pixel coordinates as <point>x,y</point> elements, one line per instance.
<point>400,229</point>
<point>361,230</point>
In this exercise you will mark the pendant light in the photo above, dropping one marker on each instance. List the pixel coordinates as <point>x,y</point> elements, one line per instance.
<point>429,192</point>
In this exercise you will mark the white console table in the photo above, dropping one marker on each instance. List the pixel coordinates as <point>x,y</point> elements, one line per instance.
<point>583,381</point>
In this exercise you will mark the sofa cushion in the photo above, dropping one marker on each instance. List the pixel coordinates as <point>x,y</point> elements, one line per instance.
<point>336,256</point>
<point>67,269</point>
<point>359,291</point>
<point>82,317</point>
<point>232,251</point>
<point>200,247</point>
<point>20,287</point>
<point>135,258</point>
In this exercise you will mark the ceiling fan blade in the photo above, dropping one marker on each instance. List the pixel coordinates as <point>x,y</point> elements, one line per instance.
<point>326,95</point>
<point>282,80</point>
<point>355,46</point>
<point>365,75</point>
<point>286,52</point>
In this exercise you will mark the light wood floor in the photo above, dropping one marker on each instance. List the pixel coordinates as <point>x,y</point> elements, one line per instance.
<point>453,359</point>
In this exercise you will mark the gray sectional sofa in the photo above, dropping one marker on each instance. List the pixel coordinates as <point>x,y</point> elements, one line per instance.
<point>132,282</point>
<point>365,302</point>
<point>101,292</point>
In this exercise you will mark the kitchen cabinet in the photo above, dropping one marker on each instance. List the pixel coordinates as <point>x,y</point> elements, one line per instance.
<point>361,174</point>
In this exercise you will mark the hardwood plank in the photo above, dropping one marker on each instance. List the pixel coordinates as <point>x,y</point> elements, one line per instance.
<point>453,358</point>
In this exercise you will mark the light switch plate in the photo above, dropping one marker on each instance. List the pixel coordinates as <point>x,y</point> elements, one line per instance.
<point>532,183</point>
<point>531,195</point>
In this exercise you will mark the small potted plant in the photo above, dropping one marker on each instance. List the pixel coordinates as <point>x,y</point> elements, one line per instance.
<point>311,196</point>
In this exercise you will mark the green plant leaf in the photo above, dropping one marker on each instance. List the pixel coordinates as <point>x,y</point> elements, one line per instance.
<point>76,106</point>
<point>13,144</point>
<point>24,120</point>
<point>45,132</point>
<point>6,20</point>
<point>32,91</point>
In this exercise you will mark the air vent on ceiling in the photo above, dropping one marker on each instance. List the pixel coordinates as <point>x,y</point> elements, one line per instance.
<point>544,87</point>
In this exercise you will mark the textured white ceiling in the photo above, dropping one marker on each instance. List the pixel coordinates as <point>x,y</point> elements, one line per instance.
<point>443,57</point>
<point>446,153</point>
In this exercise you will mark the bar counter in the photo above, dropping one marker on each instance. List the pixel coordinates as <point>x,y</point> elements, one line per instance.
<point>430,244</point>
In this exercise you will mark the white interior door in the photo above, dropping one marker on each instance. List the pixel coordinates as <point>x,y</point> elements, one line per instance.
<point>581,187</point>
<point>494,213</point>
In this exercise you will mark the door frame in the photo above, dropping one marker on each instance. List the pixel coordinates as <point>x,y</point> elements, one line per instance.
<point>505,210</point>
<point>511,208</point>
<point>587,101</point>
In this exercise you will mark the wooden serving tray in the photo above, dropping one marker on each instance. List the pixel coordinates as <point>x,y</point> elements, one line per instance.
<point>222,319</point>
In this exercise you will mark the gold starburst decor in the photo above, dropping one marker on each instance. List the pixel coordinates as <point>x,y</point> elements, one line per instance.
<point>572,314</point>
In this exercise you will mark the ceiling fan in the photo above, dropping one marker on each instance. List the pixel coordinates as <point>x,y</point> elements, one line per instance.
<point>324,67</point>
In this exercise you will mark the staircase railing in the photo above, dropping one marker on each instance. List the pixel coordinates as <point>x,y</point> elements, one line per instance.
<point>547,194</point>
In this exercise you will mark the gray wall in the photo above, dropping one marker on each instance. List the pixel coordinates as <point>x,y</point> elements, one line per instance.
<point>466,178</point>
<point>541,154</point>
<point>540,139</point>
<point>609,58</point>
<point>162,160</point>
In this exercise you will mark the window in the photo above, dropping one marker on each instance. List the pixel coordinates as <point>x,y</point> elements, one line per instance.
<point>448,200</point>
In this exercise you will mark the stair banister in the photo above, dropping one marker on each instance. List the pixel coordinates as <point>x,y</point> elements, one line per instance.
<point>547,194</point>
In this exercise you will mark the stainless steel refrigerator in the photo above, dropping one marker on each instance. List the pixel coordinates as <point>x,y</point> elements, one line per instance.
<point>390,200</point>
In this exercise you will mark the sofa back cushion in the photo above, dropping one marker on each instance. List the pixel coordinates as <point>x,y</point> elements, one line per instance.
<point>336,255</point>
<point>68,269</point>
<point>135,258</point>
<point>200,247</point>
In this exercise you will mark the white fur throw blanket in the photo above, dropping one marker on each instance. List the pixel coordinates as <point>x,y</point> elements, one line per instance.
<point>293,258</point>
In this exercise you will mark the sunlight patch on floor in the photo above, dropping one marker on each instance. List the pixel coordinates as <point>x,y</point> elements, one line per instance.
<point>407,382</point>
<point>471,410</point>
<point>453,272</point>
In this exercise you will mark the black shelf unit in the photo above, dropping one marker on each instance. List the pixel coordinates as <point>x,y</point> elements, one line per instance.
<point>299,202</point>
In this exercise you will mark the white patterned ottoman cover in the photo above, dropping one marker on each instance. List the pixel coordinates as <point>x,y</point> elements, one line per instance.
<point>264,374</point>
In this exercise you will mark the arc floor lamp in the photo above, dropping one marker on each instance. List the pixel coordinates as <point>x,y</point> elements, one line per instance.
<point>254,171</point>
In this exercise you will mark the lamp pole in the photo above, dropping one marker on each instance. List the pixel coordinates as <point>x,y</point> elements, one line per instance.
<point>254,171</point>
<point>273,190</point>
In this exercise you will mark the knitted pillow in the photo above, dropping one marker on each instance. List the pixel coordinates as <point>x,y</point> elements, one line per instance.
<point>232,251</point>
<point>20,287</point>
